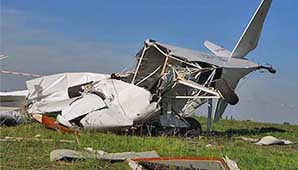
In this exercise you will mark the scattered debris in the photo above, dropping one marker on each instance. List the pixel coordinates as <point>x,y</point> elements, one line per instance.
<point>209,145</point>
<point>37,136</point>
<point>149,160</point>
<point>89,153</point>
<point>267,140</point>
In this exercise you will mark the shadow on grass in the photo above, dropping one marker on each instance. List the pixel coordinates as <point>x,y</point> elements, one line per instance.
<point>240,132</point>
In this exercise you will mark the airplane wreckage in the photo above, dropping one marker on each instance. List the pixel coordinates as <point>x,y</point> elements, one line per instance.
<point>164,90</point>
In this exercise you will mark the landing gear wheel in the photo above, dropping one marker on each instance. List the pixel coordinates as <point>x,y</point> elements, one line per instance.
<point>195,128</point>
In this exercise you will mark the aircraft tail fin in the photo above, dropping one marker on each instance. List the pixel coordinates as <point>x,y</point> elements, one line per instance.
<point>217,50</point>
<point>250,37</point>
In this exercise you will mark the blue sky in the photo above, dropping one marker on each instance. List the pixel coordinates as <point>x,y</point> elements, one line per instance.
<point>52,36</point>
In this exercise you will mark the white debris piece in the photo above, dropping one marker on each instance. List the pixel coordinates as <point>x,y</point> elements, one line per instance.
<point>231,164</point>
<point>209,145</point>
<point>267,140</point>
<point>270,140</point>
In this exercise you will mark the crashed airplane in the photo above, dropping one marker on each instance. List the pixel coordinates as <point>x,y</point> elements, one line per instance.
<point>166,87</point>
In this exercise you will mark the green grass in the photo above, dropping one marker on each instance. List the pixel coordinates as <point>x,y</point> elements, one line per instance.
<point>35,154</point>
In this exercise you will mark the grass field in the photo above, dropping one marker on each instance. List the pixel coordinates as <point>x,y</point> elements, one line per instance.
<point>31,154</point>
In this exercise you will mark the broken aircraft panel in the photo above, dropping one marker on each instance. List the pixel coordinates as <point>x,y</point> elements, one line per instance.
<point>102,103</point>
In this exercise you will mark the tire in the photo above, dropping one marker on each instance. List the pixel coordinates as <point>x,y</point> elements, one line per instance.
<point>195,128</point>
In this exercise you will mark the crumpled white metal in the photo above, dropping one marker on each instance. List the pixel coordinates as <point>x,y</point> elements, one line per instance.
<point>119,105</point>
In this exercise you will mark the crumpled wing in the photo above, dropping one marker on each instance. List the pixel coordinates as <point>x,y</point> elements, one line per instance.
<point>54,87</point>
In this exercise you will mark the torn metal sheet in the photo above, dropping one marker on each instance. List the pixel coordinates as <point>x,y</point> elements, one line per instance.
<point>48,107</point>
<point>55,87</point>
<point>113,104</point>
<point>103,104</point>
<point>67,154</point>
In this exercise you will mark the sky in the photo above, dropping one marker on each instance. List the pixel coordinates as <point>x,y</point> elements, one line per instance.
<point>54,36</point>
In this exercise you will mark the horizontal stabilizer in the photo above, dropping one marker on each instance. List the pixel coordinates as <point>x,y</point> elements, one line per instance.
<point>217,50</point>
<point>250,37</point>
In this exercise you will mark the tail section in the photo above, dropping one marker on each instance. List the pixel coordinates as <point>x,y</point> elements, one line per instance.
<point>250,37</point>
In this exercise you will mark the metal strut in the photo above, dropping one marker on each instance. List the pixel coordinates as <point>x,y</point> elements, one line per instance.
<point>209,117</point>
